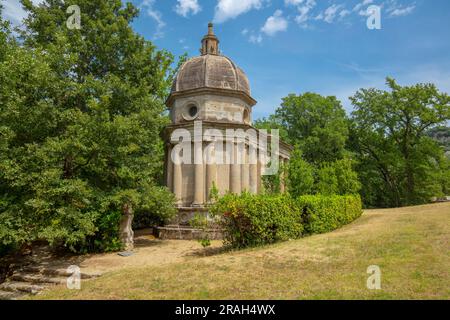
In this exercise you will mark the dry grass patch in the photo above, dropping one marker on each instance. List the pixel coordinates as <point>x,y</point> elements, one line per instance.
<point>409,244</point>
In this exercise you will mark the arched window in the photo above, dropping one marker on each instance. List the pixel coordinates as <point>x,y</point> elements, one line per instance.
<point>246,116</point>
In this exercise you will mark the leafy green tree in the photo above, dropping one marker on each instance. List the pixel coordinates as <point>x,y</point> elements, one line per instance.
<point>80,115</point>
<point>337,178</point>
<point>442,136</point>
<point>347,178</point>
<point>272,122</point>
<point>300,175</point>
<point>326,182</point>
<point>271,183</point>
<point>398,163</point>
<point>317,124</point>
<point>444,174</point>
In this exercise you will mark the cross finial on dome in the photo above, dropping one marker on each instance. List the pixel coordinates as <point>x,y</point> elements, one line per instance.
<point>210,43</point>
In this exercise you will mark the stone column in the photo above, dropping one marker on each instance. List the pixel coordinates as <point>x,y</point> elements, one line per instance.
<point>199,177</point>
<point>211,169</point>
<point>235,170</point>
<point>169,168</point>
<point>177,178</point>
<point>253,168</point>
<point>245,171</point>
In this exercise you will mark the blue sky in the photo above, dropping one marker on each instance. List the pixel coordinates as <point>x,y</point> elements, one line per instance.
<point>294,46</point>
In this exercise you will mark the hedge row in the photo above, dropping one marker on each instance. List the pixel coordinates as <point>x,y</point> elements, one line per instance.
<point>252,220</point>
<point>326,213</point>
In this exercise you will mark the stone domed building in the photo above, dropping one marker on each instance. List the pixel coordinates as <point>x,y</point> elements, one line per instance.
<point>212,92</point>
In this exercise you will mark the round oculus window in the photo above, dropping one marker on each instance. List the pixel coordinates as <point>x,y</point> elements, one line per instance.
<point>190,112</point>
<point>193,110</point>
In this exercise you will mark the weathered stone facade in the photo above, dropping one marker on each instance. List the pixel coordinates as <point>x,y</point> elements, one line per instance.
<point>212,92</point>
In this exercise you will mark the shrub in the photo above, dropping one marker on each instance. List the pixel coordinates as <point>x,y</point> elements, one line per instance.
<point>201,222</point>
<point>251,220</point>
<point>326,213</point>
<point>106,238</point>
<point>157,208</point>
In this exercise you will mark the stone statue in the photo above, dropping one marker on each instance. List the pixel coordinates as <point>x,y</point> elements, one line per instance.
<point>126,230</point>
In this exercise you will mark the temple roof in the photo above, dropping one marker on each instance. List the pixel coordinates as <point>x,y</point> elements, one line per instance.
<point>210,70</point>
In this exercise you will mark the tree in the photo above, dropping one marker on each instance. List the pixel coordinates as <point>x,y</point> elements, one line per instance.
<point>317,124</point>
<point>398,163</point>
<point>326,180</point>
<point>442,136</point>
<point>300,175</point>
<point>270,123</point>
<point>337,178</point>
<point>81,111</point>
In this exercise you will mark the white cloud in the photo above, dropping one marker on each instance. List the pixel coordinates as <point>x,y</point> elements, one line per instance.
<point>252,37</point>
<point>13,11</point>
<point>330,13</point>
<point>255,38</point>
<point>303,16</point>
<point>293,2</point>
<point>362,4</point>
<point>275,24</point>
<point>364,13</point>
<point>344,13</point>
<point>230,9</point>
<point>369,10</point>
<point>304,8</point>
<point>319,16</point>
<point>156,16</point>
<point>184,7</point>
<point>402,11</point>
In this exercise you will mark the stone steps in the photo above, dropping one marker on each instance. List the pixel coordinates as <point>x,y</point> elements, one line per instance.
<point>9,295</point>
<point>30,280</point>
<point>57,272</point>
<point>37,278</point>
<point>31,274</point>
<point>16,286</point>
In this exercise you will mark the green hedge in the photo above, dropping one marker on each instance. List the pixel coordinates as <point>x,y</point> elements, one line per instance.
<point>252,220</point>
<point>326,213</point>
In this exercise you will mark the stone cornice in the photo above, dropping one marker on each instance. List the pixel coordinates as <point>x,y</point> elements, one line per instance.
<point>165,134</point>
<point>215,91</point>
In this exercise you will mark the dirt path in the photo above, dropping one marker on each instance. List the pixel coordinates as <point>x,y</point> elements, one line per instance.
<point>153,252</point>
<point>410,245</point>
<point>148,251</point>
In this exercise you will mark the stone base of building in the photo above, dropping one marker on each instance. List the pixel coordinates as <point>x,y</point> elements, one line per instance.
<point>179,227</point>
<point>185,214</point>
<point>177,232</point>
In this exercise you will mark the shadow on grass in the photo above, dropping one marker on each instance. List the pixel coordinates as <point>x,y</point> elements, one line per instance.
<point>142,242</point>
<point>210,251</point>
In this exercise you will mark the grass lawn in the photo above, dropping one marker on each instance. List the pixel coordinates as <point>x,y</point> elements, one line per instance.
<point>410,245</point>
